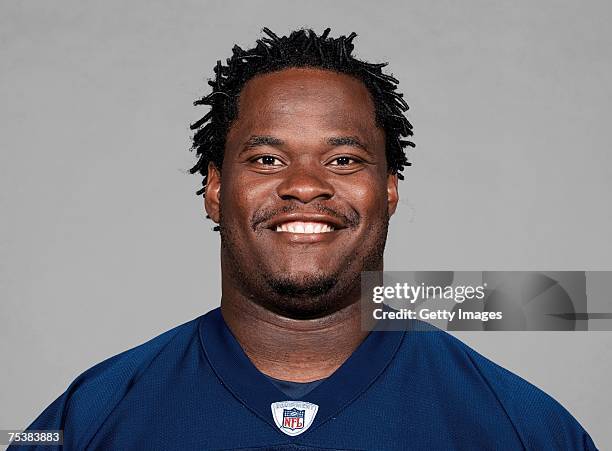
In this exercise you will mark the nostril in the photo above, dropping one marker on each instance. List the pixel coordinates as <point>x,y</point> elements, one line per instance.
<point>305,199</point>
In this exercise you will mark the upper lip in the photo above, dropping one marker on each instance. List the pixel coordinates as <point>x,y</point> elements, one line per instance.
<point>336,223</point>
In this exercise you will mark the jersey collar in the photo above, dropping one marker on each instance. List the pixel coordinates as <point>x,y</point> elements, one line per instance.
<point>255,391</point>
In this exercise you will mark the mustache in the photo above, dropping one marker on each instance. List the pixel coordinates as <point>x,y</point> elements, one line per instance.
<point>350,219</point>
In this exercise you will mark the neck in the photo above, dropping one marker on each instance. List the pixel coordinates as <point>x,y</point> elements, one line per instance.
<point>290,349</point>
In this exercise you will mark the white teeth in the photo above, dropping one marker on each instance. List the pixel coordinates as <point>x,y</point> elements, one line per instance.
<point>304,227</point>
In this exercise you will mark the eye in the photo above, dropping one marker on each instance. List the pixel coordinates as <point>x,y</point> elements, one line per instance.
<point>268,160</point>
<point>343,161</point>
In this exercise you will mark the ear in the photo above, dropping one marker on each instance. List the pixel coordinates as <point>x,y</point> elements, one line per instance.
<point>392,193</point>
<point>212,193</point>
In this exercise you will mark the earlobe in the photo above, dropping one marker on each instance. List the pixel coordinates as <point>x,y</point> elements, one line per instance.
<point>392,193</point>
<point>212,193</point>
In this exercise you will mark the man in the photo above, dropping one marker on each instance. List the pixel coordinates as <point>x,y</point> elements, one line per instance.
<point>301,154</point>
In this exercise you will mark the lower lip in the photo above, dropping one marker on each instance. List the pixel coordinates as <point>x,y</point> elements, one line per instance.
<point>306,237</point>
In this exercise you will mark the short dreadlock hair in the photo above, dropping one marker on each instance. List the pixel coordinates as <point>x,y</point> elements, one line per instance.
<point>302,48</point>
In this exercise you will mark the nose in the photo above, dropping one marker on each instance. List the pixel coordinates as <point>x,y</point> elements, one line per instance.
<point>305,184</point>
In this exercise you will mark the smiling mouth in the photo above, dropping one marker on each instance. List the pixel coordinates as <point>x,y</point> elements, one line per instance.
<point>304,227</point>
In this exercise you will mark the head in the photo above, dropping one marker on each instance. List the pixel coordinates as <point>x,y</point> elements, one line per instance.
<point>301,154</point>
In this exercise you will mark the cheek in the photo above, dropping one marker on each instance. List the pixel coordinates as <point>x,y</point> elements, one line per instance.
<point>234,199</point>
<point>242,195</point>
<point>368,197</point>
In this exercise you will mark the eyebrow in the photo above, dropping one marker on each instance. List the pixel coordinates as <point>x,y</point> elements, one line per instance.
<point>351,141</point>
<point>257,141</point>
<point>335,141</point>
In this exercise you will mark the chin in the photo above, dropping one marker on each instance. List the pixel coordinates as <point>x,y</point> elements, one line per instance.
<point>302,296</point>
<point>302,285</point>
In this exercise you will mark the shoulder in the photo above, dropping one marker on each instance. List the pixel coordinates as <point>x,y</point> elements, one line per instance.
<point>104,381</point>
<point>92,396</point>
<point>540,421</point>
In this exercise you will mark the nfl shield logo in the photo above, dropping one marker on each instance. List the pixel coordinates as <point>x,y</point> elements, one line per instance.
<point>293,418</point>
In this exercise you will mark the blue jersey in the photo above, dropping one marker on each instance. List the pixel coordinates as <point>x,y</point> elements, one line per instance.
<point>193,388</point>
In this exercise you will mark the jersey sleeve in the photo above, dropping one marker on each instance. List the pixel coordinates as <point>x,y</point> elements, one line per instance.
<point>49,419</point>
<point>540,421</point>
<point>92,396</point>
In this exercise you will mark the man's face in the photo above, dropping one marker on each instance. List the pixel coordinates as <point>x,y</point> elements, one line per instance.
<point>304,198</point>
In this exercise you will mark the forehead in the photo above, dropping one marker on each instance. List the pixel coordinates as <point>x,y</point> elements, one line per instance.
<point>306,98</point>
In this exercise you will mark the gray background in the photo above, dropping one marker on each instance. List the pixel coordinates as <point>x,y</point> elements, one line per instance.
<point>104,245</point>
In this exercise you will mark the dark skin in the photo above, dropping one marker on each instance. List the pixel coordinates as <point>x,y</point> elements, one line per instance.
<point>304,149</point>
